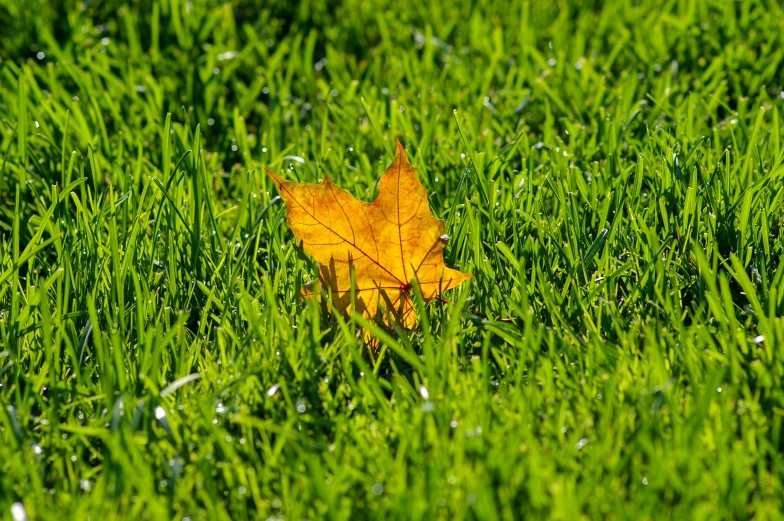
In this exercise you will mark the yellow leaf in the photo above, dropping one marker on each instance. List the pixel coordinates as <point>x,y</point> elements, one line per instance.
<point>388,243</point>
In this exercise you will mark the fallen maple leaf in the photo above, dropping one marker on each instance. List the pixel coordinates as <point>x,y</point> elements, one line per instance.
<point>390,242</point>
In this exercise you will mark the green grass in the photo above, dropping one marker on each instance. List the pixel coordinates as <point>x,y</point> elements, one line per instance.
<point>611,172</point>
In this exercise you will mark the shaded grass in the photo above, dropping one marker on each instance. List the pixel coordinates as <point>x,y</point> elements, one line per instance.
<point>611,174</point>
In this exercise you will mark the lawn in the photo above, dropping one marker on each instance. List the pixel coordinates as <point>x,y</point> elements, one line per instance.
<point>612,173</point>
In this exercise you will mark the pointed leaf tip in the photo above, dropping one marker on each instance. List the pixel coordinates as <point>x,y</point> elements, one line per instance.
<point>400,152</point>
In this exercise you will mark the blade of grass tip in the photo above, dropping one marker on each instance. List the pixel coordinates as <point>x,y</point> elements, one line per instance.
<point>353,292</point>
<point>86,330</point>
<point>15,268</point>
<point>166,149</point>
<point>69,188</point>
<point>22,125</point>
<point>29,252</point>
<point>176,384</point>
<point>373,124</point>
<point>117,413</point>
<point>775,172</point>
<point>64,143</point>
<point>455,200</point>
<point>472,156</point>
<point>385,337</point>
<point>46,322</point>
<point>323,137</point>
<point>118,281</point>
<point>18,435</point>
<point>595,246</point>
<point>428,344</point>
<point>196,231</point>
<point>94,168</point>
<point>155,24</point>
<point>8,147</point>
<point>102,363</point>
<point>371,378</point>
<point>173,206</point>
<point>748,157</point>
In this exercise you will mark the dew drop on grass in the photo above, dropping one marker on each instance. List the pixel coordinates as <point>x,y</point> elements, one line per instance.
<point>272,390</point>
<point>423,392</point>
<point>18,512</point>
<point>378,489</point>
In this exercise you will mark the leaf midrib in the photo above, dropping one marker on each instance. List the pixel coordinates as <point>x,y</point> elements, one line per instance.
<point>376,262</point>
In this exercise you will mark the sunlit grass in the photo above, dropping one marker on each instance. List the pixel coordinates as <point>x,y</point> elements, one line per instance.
<point>613,176</point>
